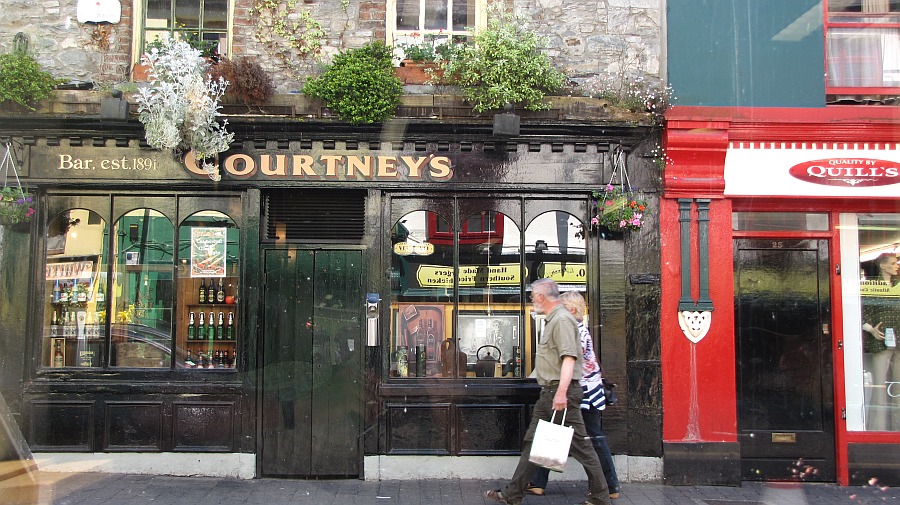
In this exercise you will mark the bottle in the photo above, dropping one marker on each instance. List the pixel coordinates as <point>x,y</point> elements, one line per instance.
<point>101,297</point>
<point>221,360</point>
<point>63,294</point>
<point>230,331</point>
<point>58,360</point>
<point>220,328</point>
<point>53,320</point>
<point>201,329</point>
<point>211,292</point>
<point>234,358</point>
<point>220,293</point>
<point>890,340</point>
<point>211,327</point>
<point>201,294</point>
<point>191,330</point>
<point>56,291</point>
<point>188,362</point>
<point>82,292</point>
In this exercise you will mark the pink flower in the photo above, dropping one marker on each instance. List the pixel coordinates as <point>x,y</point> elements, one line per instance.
<point>609,187</point>
<point>30,212</point>
<point>595,220</point>
<point>622,224</point>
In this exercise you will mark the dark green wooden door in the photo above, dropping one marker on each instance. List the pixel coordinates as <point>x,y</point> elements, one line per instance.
<point>312,364</point>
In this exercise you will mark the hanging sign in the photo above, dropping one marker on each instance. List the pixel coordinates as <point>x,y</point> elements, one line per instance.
<point>208,256</point>
<point>98,11</point>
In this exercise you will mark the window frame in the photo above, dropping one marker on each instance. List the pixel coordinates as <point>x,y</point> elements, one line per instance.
<point>139,28</point>
<point>842,20</point>
<point>393,34</point>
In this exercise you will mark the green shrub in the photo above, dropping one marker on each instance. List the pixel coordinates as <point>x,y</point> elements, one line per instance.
<point>504,66</point>
<point>359,85</point>
<point>22,81</point>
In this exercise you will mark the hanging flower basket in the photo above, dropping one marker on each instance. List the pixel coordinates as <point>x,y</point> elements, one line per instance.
<point>618,207</point>
<point>16,204</point>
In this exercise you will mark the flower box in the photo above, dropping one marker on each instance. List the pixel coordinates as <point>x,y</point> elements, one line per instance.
<point>417,72</point>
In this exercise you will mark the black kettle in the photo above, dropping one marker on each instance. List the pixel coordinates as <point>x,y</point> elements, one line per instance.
<point>484,366</point>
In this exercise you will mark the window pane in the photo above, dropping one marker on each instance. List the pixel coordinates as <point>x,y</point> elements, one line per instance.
<point>879,236</point>
<point>143,292</point>
<point>158,14</point>
<point>490,294</point>
<point>215,15</point>
<point>187,13</point>
<point>779,221</point>
<point>863,57</point>
<point>463,15</point>
<point>75,276</point>
<point>863,11</point>
<point>208,273</point>
<point>422,344</point>
<point>435,14</point>
<point>408,14</point>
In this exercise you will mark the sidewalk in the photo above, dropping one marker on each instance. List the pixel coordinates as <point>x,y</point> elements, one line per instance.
<point>45,488</point>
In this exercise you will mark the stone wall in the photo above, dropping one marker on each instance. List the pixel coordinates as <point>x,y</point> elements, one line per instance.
<point>584,38</point>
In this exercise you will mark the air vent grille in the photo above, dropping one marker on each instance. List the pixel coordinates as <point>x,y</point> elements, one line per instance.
<point>316,215</point>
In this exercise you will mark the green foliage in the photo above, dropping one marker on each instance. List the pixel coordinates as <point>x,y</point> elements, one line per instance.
<point>505,66</point>
<point>288,33</point>
<point>22,81</point>
<point>359,85</point>
<point>16,205</point>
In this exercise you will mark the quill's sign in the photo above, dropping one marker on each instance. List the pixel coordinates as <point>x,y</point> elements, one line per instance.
<point>337,167</point>
<point>848,172</point>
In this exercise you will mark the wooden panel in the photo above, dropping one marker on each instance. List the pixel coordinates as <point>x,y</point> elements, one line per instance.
<point>874,461</point>
<point>61,426</point>
<point>203,426</point>
<point>418,429</point>
<point>133,426</point>
<point>491,429</point>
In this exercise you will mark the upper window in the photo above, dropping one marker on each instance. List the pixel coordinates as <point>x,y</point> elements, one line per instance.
<point>863,46</point>
<point>202,23</point>
<point>435,21</point>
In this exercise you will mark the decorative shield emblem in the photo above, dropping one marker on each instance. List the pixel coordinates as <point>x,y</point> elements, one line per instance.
<point>694,324</point>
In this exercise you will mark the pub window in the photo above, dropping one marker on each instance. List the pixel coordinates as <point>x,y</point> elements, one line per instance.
<point>142,290</point>
<point>74,330</point>
<point>203,23</point>
<point>863,47</point>
<point>870,244</point>
<point>208,273</point>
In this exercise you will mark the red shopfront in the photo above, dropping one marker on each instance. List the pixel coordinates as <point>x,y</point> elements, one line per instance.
<point>780,230</point>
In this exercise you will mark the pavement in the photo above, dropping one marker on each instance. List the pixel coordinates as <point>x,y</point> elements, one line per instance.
<point>46,488</point>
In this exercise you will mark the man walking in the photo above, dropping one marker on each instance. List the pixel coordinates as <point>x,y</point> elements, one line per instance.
<point>558,365</point>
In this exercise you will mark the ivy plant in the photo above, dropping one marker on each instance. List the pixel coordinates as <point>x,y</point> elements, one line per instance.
<point>287,32</point>
<point>359,84</point>
<point>22,81</point>
<point>505,65</point>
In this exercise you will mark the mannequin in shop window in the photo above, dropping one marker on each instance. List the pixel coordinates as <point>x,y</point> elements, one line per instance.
<point>881,323</point>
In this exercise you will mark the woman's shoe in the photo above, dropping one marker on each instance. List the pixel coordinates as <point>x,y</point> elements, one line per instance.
<point>539,491</point>
<point>615,494</point>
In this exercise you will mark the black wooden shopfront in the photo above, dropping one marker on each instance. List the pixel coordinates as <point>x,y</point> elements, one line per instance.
<point>311,217</point>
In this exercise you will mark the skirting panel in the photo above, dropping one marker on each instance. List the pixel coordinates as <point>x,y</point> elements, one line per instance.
<point>702,464</point>
<point>61,425</point>
<point>874,461</point>
<point>134,426</point>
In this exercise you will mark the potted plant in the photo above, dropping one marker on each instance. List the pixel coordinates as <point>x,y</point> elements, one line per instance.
<point>249,83</point>
<point>505,66</point>
<point>209,50</point>
<point>421,57</point>
<point>359,85</point>
<point>22,81</point>
<point>16,205</point>
<point>618,209</point>
<point>180,107</point>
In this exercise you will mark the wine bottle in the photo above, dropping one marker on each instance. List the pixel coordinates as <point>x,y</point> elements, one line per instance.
<point>63,294</point>
<point>188,362</point>
<point>100,298</point>
<point>220,328</point>
<point>230,331</point>
<point>211,327</point>
<point>201,295</point>
<point>211,292</point>
<point>58,359</point>
<point>191,330</point>
<point>56,291</point>
<point>220,293</point>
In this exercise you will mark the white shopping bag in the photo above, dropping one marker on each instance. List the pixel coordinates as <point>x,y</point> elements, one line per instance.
<point>550,448</point>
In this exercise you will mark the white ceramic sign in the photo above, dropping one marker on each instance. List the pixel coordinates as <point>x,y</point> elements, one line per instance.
<point>98,11</point>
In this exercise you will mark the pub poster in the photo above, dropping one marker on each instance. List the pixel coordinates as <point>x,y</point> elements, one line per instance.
<point>208,252</point>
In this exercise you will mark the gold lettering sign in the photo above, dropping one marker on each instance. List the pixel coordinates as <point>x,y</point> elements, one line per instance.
<point>495,275</point>
<point>413,249</point>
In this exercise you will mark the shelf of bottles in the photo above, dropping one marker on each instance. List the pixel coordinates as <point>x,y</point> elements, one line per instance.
<point>209,329</point>
<point>74,321</point>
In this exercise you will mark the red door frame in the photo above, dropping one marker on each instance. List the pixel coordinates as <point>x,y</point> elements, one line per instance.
<point>696,141</point>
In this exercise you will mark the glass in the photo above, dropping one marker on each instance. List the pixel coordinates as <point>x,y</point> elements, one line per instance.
<point>157,15</point>
<point>863,11</point>
<point>208,273</point>
<point>422,282</point>
<point>187,14</point>
<point>142,293</point>
<point>878,238</point>
<point>215,14</point>
<point>407,14</point>
<point>779,221</point>
<point>435,14</point>
<point>74,330</point>
<point>863,57</point>
<point>463,15</point>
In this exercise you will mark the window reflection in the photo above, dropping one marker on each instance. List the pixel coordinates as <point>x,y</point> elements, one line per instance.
<point>75,279</point>
<point>143,291</point>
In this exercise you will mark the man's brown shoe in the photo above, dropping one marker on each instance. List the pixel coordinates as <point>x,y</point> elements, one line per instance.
<point>539,491</point>
<point>497,496</point>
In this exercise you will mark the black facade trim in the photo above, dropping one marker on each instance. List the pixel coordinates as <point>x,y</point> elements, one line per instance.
<point>702,463</point>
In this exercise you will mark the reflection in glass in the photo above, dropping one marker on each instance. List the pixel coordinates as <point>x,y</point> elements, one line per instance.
<point>142,291</point>
<point>779,221</point>
<point>75,281</point>
<point>208,273</point>
<point>879,244</point>
<point>422,344</point>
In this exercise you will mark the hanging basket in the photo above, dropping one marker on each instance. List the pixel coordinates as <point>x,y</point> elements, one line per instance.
<point>16,204</point>
<point>618,207</point>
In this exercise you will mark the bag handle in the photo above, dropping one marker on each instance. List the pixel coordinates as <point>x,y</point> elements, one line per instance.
<point>563,420</point>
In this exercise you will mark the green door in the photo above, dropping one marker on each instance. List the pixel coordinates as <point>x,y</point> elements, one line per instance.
<point>312,385</point>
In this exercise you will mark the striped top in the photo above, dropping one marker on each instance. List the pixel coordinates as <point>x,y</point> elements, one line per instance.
<point>591,380</point>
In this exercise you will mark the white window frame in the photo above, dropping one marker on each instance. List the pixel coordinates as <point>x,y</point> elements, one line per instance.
<point>137,30</point>
<point>395,36</point>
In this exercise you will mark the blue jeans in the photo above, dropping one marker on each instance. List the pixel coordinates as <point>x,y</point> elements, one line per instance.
<point>598,439</point>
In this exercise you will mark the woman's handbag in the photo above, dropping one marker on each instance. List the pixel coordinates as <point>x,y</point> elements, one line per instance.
<point>609,389</point>
<point>550,447</point>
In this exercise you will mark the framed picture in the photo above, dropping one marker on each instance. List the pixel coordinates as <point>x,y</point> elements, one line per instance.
<point>499,329</point>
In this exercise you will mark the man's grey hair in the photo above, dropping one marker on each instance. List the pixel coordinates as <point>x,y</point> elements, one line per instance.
<point>546,287</point>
